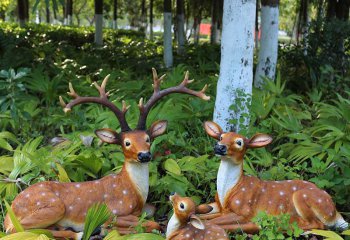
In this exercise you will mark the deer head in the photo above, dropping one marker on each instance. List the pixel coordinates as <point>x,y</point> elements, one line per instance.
<point>135,143</point>
<point>233,146</point>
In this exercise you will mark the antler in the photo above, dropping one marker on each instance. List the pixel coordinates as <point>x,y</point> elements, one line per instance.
<point>103,100</point>
<point>158,94</point>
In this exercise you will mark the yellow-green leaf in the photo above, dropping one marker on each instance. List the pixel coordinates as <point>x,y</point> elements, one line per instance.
<point>172,166</point>
<point>21,235</point>
<point>329,235</point>
<point>346,232</point>
<point>62,174</point>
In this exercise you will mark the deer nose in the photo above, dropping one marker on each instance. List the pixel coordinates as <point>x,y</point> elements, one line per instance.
<point>220,149</point>
<point>144,156</point>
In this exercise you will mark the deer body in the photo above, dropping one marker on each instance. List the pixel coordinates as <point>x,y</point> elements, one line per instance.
<point>240,198</point>
<point>64,205</point>
<point>184,224</point>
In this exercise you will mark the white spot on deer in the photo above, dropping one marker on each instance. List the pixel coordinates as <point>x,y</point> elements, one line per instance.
<point>114,185</point>
<point>77,185</point>
<point>90,191</point>
<point>38,203</point>
<point>125,192</point>
<point>53,200</point>
<point>281,193</point>
<point>78,198</point>
<point>311,188</point>
<point>114,176</point>
<point>57,194</point>
<point>250,201</point>
<point>105,196</point>
<point>305,182</point>
<point>263,190</point>
<point>273,186</point>
<point>319,200</point>
<point>218,234</point>
<point>187,235</point>
<point>238,202</point>
<point>120,202</point>
<point>294,188</point>
<point>289,180</point>
<point>97,182</point>
<point>270,202</point>
<point>251,183</point>
<point>27,195</point>
<point>243,189</point>
<point>130,206</point>
<point>114,211</point>
<point>43,194</point>
<point>70,207</point>
<point>304,195</point>
<point>208,232</point>
<point>41,185</point>
<point>281,206</point>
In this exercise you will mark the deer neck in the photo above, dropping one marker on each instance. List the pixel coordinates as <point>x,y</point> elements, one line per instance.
<point>173,225</point>
<point>139,176</point>
<point>228,176</point>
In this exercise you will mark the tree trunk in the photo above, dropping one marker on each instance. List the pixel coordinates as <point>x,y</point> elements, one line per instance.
<point>98,22</point>
<point>115,13</point>
<point>196,27</point>
<point>338,9</point>
<point>143,25</point>
<point>168,51</point>
<point>21,6</point>
<point>26,10</point>
<point>47,13</point>
<point>214,21</point>
<point>180,26</point>
<point>269,42</point>
<point>69,9</point>
<point>236,68</point>
<point>151,20</point>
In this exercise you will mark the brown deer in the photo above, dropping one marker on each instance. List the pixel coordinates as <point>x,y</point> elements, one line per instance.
<point>185,224</point>
<point>64,205</point>
<point>239,198</point>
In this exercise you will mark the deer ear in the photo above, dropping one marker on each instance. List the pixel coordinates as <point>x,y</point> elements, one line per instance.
<point>213,129</point>
<point>158,128</point>
<point>196,222</point>
<point>204,209</point>
<point>108,135</point>
<point>259,140</point>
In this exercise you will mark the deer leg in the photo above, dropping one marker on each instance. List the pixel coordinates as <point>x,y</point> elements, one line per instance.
<point>245,227</point>
<point>227,219</point>
<point>149,209</point>
<point>66,234</point>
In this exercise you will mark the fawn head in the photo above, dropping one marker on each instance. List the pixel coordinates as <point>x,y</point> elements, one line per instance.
<point>233,146</point>
<point>186,210</point>
<point>135,143</point>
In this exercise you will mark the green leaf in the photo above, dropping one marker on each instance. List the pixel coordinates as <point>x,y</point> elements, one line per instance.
<point>14,219</point>
<point>172,166</point>
<point>97,215</point>
<point>5,145</point>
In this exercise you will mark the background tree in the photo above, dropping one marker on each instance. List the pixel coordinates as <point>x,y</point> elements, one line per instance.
<point>214,22</point>
<point>180,16</point>
<point>98,22</point>
<point>151,20</point>
<point>21,7</point>
<point>269,42</point>
<point>68,13</point>
<point>167,36</point>
<point>236,67</point>
<point>115,13</point>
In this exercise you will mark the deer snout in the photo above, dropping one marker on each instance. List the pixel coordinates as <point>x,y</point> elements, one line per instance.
<point>144,157</point>
<point>220,149</point>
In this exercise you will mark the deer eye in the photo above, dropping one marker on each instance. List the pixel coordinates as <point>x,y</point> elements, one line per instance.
<point>148,139</point>
<point>220,138</point>
<point>239,142</point>
<point>182,206</point>
<point>127,143</point>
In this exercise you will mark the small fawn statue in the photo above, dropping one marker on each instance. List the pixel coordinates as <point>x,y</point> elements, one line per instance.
<point>64,205</point>
<point>185,224</point>
<point>239,198</point>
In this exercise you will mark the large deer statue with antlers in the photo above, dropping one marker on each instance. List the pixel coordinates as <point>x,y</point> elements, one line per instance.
<point>239,198</point>
<point>64,205</point>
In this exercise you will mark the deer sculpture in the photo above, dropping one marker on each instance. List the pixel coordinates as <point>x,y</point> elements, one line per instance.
<point>64,205</point>
<point>239,198</point>
<point>185,224</point>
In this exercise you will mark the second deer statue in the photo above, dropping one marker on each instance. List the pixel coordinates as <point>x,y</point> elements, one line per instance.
<point>239,198</point>
<point>185,224</point>
<point>64,205</point>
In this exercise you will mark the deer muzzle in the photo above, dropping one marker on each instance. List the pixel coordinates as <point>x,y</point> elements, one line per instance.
<point>220,149</point>
<point>144,157</point>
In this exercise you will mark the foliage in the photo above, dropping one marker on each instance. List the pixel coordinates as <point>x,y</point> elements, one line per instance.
<point>97,215</point>
<point>329,235</point>
<point>276,227</point>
